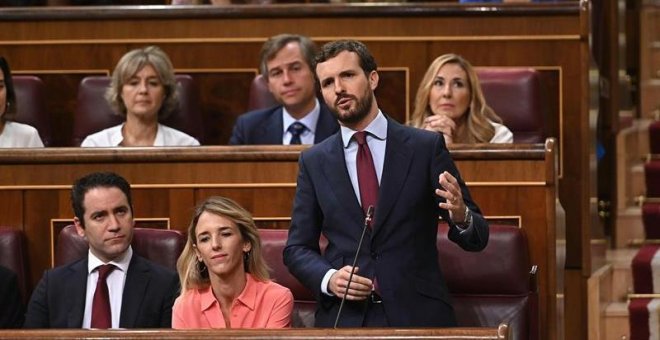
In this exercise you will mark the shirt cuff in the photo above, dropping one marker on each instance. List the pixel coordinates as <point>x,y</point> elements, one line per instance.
<point>326,280</point>
<point>464,227</point>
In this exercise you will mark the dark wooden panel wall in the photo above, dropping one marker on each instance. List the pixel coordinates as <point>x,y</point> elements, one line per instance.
<point>486,333</point>
<point>219,44</point>
<point>509,184</point>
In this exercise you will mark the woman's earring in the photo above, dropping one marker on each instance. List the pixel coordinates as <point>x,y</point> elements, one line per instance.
<point>201,266</point>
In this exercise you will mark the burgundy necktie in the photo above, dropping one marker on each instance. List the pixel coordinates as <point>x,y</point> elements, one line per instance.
<point>366,173</point>
<point>101,316</point>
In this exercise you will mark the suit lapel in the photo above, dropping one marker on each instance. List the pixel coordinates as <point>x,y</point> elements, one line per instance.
<point>75,301</point>
<point>271,128</point>
<point>334,169</point>
<point>398,156</point>
<point>326,125</point>
<point>137,279</point>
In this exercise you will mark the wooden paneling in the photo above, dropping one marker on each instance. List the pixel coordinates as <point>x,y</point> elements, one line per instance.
<point>510,182</point>
<point>550,37</point>
<point>494,333</point>
<point>649,71</point>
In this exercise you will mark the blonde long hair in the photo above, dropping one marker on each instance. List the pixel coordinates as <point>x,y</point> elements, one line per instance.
<point>478,127</point>
<point>192,273</point>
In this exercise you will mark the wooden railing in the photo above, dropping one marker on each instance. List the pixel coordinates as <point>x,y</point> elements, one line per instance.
<point>514,183</point>
<point>219,46</point>
<point>498,333</point>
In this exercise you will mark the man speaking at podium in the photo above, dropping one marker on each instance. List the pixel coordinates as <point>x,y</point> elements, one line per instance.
<point>407,176</point>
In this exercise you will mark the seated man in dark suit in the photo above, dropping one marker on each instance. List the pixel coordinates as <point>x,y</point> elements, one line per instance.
<point>11,304</point>
<point>111,287</point>
<point>286,61</point>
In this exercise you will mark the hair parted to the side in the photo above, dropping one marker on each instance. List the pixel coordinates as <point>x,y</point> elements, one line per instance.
<point>9,111</point>
<point>95,180</point>
<point>130,64</point>
<point>277,42</point>
<point>333,48</point>
<point>479,114</point>
<point>192,275</point>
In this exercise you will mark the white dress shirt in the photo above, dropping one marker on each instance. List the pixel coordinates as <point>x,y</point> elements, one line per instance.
<point>166,136</point>
<point>310,120</point>
<point>376,139</point>
<point>502,134</point>
<point>115,280</point>
<point>17,135</point>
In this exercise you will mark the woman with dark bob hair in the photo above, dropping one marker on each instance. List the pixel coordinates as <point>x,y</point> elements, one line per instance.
<point>224,278</point>
<point>13,134</point>
<point>142,90</point>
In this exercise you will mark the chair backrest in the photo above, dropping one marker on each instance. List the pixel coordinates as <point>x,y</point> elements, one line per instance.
<point>494,286</point>
<point>31,103</point>
<point>515,95</point>
<point>160,246</point>
<point>488,287</point>
<point>12,256</point>
<point>652,178</point>
<point>273,242</point>
<point>259,96</point>
<point>93,113</point>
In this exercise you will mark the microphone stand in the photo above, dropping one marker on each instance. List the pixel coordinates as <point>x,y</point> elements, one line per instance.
<point>367,220</point>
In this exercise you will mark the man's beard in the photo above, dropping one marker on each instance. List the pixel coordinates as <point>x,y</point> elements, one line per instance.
<point>357,114</point>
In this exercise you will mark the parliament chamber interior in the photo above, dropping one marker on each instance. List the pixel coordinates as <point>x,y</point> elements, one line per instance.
<point>572,203</point>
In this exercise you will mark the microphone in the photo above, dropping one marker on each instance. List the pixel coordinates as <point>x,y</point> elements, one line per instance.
<point>367,220</point>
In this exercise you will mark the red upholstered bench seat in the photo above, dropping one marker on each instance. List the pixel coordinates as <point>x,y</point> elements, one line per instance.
<point>31,105</point>
<point>643,315</point>
<point>643,269</point>
<point>13,257</point>
<point>654,137</point>
<point>93,113</point>
<point>652,175</point>
<point>488,288</point>
<point>161,246</point>
<point>651,220</point>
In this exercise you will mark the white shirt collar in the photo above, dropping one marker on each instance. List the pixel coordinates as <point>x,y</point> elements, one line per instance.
<point>116,137</point>
<point>309,120</point>
<point>377,128</point>
<point>120,262</point>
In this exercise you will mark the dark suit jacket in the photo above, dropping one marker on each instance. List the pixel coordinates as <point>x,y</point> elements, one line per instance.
<point>401,250</point>
<point>11,301</point>
<point>265,127</point>
<point>59,299</point>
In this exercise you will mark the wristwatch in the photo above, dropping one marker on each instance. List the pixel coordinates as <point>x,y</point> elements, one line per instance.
<point>468,218</point>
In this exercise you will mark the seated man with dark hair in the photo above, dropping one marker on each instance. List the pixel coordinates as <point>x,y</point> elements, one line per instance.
<point>111,287</point>
<point>11,306</point>
<point>286,61</point>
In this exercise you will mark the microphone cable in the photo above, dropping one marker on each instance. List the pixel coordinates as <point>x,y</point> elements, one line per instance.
<point>367,220</point>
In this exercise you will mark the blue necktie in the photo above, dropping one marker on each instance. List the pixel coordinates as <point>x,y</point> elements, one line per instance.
<point>296,130</point>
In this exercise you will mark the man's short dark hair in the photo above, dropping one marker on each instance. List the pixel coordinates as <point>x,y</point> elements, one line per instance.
<point>276,43</point>
<point>95,180</point>
<point>333,48</point>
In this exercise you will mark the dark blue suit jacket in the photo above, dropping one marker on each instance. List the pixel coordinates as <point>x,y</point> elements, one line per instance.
<point>265,127</point>
<point>149,293</point>
<point>401,250</point>
<point>11,301</point>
